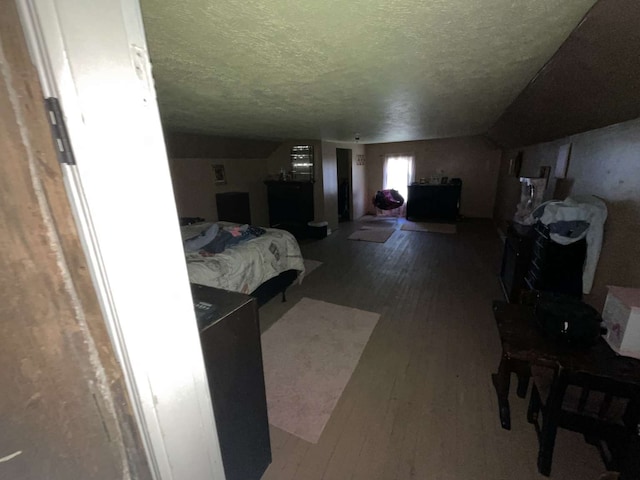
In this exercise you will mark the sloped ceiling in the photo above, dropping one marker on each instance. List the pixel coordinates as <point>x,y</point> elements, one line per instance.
<point>390,70</point>
<point>592,81</point>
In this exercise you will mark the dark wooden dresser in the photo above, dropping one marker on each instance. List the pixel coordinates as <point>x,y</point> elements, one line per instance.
<point>532,261</point>
<point>554,267</point>
<point>434,202</point>
<point>234,207</point>
<point>233,359</point>
<point>516,259</point>
<point>290,205</point>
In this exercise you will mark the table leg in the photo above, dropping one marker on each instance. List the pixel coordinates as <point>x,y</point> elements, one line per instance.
<point>523,384</point>
<point>630,461</point>
<point>630,464</point>
<point>502,382</point>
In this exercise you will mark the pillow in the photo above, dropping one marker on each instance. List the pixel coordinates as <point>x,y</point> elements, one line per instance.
<point>194,244</point>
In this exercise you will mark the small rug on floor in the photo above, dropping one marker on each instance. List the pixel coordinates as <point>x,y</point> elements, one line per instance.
<point>378,220</point>
<point>430,227</point>
<point>369,234</point>
<point>310,266</point>
<point>309,355</point>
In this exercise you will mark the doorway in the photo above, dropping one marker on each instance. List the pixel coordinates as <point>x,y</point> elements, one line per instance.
<point>343,159</point>
<point>169,398</point>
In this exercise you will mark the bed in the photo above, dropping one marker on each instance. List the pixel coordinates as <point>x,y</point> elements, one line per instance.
<point>261,267</point>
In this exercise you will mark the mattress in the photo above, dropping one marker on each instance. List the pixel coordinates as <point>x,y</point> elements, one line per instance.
<point>245,266</point>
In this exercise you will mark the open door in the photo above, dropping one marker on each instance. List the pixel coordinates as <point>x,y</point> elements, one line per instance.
<point>64,408</point>
<point>92,58</point>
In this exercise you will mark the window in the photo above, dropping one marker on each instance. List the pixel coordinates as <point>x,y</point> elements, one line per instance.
<point>398,173</point>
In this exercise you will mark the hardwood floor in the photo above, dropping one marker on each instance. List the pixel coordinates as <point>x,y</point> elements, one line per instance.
<point>420,404</point>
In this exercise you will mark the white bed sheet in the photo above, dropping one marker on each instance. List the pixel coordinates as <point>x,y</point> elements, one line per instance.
<point>244,267</point>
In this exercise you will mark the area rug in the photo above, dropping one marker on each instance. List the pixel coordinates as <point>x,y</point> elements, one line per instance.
<point>378,220</point>
<point>370,234</point>
<point>310,266</point>
<point>429,227</point>
<point>309,355</point>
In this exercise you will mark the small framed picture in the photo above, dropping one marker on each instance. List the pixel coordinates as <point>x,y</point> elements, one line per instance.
<point>562,163</point>
<point>515,164</point>
<point>219,177</point>
<point>545,172</point>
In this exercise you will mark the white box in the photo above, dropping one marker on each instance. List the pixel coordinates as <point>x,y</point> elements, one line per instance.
<point>621,317</point>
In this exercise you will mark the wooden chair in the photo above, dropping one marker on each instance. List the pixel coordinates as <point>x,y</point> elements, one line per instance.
<point>603,410</point>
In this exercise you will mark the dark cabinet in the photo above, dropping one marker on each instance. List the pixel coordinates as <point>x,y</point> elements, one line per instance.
<point>234,207</point>
<point>532,261</point>
<point>516,260</point>
<point>233,359</point>
<point>290,205</point>
<point>554,267</point>
<point>434,202</point>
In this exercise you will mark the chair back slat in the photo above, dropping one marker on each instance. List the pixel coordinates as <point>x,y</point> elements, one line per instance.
<point>584,396</point>
<point>605,405</point>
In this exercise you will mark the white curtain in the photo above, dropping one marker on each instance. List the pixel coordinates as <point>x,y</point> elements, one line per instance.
<point>398,172</point>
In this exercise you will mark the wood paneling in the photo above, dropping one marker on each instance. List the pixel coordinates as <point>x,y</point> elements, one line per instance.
<point>63,404</point>
<point>193,145</point>
<point>592,81</point>
<point>420,403</point>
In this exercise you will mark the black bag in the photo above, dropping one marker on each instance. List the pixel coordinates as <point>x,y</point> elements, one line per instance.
<point>568,319</point>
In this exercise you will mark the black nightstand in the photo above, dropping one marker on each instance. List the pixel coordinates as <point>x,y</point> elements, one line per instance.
<point>233,359</point>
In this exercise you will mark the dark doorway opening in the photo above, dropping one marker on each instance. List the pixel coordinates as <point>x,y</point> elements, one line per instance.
<point>343,157</point>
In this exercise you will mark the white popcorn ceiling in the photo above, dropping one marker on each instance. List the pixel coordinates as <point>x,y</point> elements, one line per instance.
<point>391,70</point>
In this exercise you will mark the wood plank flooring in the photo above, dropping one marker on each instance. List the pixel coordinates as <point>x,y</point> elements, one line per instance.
<point>420,404</point>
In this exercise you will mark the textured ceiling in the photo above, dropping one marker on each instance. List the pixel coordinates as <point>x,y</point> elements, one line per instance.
<point>593,80</point>
<point>391,70</point>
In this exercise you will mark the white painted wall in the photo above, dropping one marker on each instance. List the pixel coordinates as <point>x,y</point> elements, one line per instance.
<point>472,159</point>
<point>330,184</point>
<point>195,190</point>
<point>359,183</point>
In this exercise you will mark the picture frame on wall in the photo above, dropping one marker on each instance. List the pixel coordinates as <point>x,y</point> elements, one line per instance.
<point>515,164</point>
<point>219,176</point>
<point>562,163</point>
<point>545,172</point>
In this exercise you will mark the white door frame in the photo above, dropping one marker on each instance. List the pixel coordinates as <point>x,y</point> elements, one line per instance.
<point>92,55</point>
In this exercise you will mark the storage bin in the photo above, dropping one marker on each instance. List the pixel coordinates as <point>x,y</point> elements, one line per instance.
<point>621,315</point>
<point>317,229</point>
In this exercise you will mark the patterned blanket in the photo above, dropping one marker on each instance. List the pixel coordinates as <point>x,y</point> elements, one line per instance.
<point>244,267</point>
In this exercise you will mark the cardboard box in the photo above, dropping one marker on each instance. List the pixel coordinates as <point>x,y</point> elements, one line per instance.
<point>621,317</point>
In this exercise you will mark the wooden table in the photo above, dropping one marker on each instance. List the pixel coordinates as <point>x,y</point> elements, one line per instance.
<point>523,345</point>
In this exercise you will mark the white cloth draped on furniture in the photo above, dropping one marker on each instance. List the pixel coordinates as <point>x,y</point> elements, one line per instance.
<point>574,219</point>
